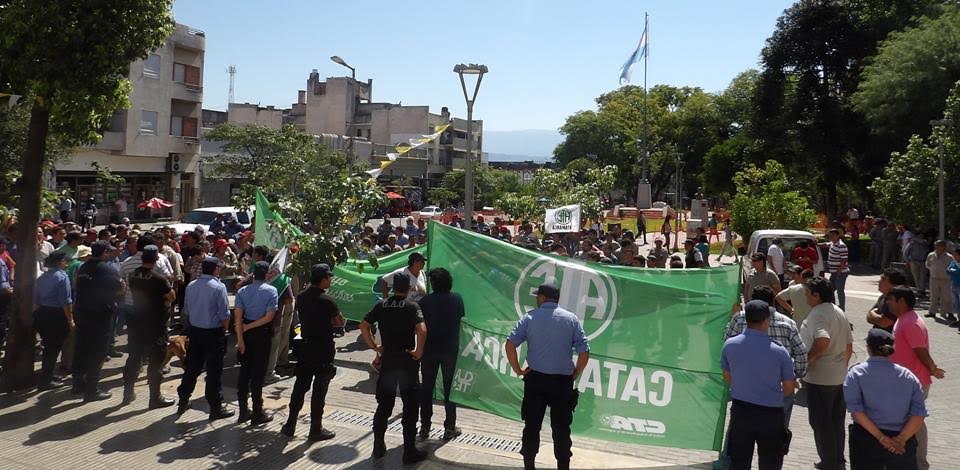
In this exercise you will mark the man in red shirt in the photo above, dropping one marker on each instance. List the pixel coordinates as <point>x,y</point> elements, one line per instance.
<point>912,350</point>
<point>805,256</point>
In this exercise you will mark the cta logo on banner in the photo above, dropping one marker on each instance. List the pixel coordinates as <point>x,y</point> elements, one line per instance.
<point>563,219</point>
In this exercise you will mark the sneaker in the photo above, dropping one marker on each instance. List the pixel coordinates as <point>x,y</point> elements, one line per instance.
<point>451,433</point>
<point>161,402</point>
<point>271,379</point>
<point>414,456</point>
<point>97,396</point>
<point>323,434</point>
<point>424,433</point>
<point>220,413</point>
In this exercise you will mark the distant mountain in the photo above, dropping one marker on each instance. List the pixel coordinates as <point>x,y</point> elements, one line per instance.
<point>521,145</point>
<point>505,157</point>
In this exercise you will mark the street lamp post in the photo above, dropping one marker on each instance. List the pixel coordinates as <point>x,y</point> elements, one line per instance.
<point>676,238</point>
<point>942,123</point>
<point>353,71</point>
<point>479,71</point>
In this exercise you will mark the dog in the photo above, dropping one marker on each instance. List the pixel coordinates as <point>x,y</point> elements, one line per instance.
<point>177,346</point>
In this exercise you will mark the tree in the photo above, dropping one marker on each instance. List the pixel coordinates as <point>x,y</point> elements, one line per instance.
<point>73,59</point>
<point>906,84</point>
<point>14,120</point>
<point>305,182</point>
<point>682,120</point>
<point>559,188</point>
<point>765,200</point>
<point>441,197</point>
<point>907,190</point>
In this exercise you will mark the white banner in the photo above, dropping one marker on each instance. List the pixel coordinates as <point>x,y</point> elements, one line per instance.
<point>562,219</point>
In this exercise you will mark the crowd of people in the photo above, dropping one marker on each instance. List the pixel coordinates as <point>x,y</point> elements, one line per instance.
<point>170,292</point>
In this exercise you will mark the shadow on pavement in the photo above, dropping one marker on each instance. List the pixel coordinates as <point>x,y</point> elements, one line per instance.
<point>164,430</point>
<point>75,428</point>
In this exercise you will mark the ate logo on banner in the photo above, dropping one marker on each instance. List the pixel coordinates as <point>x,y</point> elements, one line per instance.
<point>633,425</point>
<point>563,217</point>
<point>588,293</point>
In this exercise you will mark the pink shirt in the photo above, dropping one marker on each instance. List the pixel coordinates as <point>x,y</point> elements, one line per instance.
<point>910,332</point>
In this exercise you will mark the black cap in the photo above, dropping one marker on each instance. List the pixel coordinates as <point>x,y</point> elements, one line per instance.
<point>100,247</point>
<point>690,241</point>
<point>319,272</point>
<point>401,282</point>
<point>260,269</point>
<point>416,256</point>
<point>876,338</point>
<point>150,254</point>
<point>756,311</point>
<point>549,291</point>
<point>211,262</point>
<point>55,258</point>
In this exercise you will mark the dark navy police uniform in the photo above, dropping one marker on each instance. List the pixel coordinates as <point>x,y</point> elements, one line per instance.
<point>98,288</point>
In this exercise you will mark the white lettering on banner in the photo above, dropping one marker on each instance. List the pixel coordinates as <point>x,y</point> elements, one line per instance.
<point>340,295</point>
<point>462,380</point>
<point>588,293</point>
<point>634,425</point>
<point>597,375</point>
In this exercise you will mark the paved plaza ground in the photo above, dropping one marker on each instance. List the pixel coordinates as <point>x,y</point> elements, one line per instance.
<point>54,430</point>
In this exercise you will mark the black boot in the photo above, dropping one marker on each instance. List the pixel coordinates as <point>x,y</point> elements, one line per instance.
<point>244,414</point>
<point>128,395</point>
<point>161,402</point>
<point>220,412</point>
<point>290,427</point>
<point>563,465</point>
<point>529,462</point>
<point>411,454</point>
<point>379,447</point>
<point>320,433</point>
<point>260,417</point>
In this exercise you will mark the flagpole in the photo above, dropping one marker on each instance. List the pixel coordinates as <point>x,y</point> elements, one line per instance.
<point>643,187</point>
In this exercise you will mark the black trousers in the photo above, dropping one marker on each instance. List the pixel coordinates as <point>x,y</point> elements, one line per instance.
<point>207,347</point>
<point>754,424</point>
<point>429,367</point>
<point>4,315</point>
<point>51,324</point>
<point>91,345</point>
<point>827,412</point>
<point>317,374</point>
<point>398,371</point>
<point>253,365</point>
<point>866,452</point>
<point>539,392</point>
<point>146,339</point>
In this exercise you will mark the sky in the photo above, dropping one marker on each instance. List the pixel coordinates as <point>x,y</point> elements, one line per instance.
<point>547,59</point>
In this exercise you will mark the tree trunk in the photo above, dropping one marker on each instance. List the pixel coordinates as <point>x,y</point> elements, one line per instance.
<point>18,367</point>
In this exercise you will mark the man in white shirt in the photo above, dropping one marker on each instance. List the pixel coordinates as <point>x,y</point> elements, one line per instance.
<point>414,271</point>
<point>775,257</point>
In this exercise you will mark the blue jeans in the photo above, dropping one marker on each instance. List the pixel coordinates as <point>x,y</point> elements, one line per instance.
<point>955,291</point>
<point>839,282</point>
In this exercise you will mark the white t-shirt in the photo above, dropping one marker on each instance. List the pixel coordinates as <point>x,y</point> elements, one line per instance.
<point>775,259</point>
<point>120,205</point>
<point>418,284</point>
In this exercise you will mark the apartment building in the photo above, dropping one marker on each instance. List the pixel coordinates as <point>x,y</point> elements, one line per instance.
<point>155,144</point>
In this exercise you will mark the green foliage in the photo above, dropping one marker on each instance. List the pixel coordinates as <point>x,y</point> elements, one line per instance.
<point>907,82</point>
<point>105,176</point>
<point>303,181</point>
<point>488,184</point>
<point>682,120</point>
<point>14,123</point>
<point>766,200</point>
<point>559,188</point>
<point>441,197</point>
<point>908,189</point>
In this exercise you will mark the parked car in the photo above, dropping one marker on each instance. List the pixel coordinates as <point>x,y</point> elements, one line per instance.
<point>430,212</point>
<point>761,239</point>
<point>204,216</point>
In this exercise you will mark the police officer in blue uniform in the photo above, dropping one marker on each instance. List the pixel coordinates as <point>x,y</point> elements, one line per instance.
<point>550,333</point>
<point>6,293</point>
<point>207,307</point>
<point>53,316</point>
<point>256,305</point>
<point>887,405</point>
<point>99,286</point>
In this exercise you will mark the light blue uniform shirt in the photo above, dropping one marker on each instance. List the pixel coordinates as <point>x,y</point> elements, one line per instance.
<point>888,393</point>
<point>206,302</point>
<point>256,300</point>
<point>53,289</point>
<point>550,332</point>
<point>757,366</point>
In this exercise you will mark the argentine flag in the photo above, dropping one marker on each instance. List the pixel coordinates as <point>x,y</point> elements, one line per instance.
<point>634,58</point>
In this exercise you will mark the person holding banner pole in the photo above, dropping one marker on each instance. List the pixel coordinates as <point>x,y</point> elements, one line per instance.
<point>550,333</point>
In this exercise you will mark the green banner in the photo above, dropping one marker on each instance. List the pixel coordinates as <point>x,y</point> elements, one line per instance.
<point>267,229</point>
<point>655,336</point>
<point>355,283</point>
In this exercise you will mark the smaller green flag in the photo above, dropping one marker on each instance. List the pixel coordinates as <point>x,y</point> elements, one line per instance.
<point>269,226</point>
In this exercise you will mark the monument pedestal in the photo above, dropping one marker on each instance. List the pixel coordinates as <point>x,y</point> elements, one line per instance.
<point>644,199</point>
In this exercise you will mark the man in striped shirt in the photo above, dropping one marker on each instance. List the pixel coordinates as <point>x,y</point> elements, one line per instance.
<point>837,266</point>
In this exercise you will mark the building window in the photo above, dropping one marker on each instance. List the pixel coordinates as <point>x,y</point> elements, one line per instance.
<point>118,121</point>
<point>183,126</point>
<point>148,122</point>
<point>186,74</point>
<point>151,66</point>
